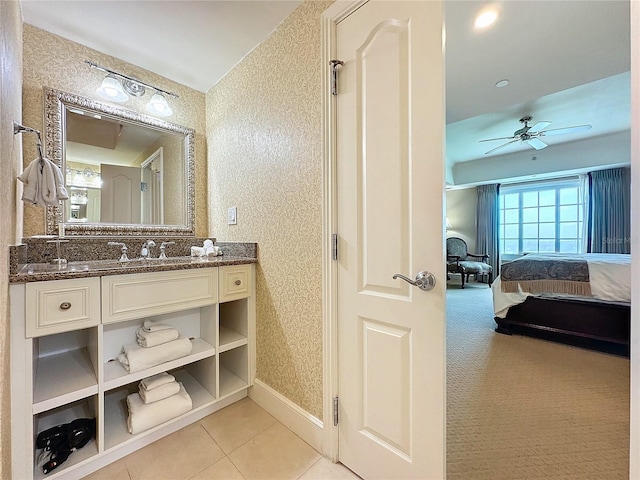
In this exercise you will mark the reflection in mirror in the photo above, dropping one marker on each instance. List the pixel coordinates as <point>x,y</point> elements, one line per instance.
<point>126,173</point>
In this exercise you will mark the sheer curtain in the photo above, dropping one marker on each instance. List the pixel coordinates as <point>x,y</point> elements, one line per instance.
<point>584,193</point>
<point>488,211</point>
<point>611,211</point>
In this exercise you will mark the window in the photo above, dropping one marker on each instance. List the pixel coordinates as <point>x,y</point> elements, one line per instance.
<point>541,217</point>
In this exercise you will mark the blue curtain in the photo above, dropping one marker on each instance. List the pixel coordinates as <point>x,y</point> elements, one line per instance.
<point>611,211</point>
<point>487,223</point>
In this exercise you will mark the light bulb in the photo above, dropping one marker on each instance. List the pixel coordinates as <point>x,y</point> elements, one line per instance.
<point>158,106</point>
<point>112,90</point>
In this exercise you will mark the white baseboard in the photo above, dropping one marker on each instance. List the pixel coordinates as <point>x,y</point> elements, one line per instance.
<point>299,421</point>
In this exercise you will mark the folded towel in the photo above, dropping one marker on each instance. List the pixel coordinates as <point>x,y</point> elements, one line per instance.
<point>156,381</point>
<point>43,183</point>
<point>158,393</point>
<point>151,339</point>
<point>151,326</point>
<point>143,416</point>
<point>135,358</point>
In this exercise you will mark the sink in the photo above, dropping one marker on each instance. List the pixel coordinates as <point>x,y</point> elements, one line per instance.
<point>110,265</point>
<point>97,265</point>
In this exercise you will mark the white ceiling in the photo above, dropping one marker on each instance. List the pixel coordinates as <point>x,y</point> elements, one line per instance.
<point>541,46</point>
<point>194,43</point>
<point>548,50</point>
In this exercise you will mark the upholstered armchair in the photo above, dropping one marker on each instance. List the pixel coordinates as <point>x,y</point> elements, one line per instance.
<point>459,260</point>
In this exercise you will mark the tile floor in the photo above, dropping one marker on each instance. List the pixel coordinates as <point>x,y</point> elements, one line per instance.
<point>241,441</point>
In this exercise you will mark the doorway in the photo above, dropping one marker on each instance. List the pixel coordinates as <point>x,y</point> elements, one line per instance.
<point>529,378</point>
<point>330,353</point>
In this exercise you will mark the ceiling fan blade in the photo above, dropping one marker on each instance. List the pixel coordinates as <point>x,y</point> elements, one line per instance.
<point>539,126</point>
<point>562,131</point>
<point>503,145</point>
<point>492,139</point>
<point>536,143</point>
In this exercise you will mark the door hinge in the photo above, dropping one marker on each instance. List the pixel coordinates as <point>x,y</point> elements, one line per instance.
<point>335,411</point>
<point>334,246</point>
<point>334,75</point>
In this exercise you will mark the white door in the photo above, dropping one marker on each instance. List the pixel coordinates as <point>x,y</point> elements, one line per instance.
<point>390,176</point>
<point>120,194</point>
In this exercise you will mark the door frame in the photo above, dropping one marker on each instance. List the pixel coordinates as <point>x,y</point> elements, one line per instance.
<point>634,388</point>
<point>329,19</point>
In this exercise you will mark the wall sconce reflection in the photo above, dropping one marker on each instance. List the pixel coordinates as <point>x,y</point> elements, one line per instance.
<point>83,178</point>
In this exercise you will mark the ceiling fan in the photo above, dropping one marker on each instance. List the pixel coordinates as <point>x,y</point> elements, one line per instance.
<point>531,135</point>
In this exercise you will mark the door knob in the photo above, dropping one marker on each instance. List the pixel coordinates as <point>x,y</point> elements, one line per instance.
<point>424,280</point>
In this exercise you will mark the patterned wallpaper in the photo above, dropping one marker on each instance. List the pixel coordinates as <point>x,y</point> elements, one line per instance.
<point>10,213</point>
<point>52,61</point>
<point>265,157</point>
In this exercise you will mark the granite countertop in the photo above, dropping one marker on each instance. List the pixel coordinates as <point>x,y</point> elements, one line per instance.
<point>35,266</point>
<point>39,272</point>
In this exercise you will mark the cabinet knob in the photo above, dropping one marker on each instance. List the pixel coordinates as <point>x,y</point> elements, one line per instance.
<point>65,305</point>
<point>238,282</point>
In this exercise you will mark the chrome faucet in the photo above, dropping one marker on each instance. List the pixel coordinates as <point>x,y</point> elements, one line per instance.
<point>123,249</point>
<point>163,247</point>
<point>145,251</point>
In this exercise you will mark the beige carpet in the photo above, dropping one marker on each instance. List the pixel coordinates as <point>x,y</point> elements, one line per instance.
<point>524,408</point>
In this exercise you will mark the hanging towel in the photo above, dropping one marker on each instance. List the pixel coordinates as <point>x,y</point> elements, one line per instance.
<point>151,326</point>
<point>156,381</point>
<point>158,393</point>
<point>151,339</point>
<point>135,358</point>
<point>29,177</point>
<point>43,183</point>
<point>143,416</point>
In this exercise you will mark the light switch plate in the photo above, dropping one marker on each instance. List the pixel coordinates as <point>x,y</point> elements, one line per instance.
<point>232,216</point>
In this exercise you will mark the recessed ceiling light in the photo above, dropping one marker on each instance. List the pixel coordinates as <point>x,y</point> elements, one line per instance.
<point>502,83</point>
<point>485,19</point>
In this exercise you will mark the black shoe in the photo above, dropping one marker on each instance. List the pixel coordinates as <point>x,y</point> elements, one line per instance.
<point>80,432</point>
<point>57,458</point>
<point>51,437</point>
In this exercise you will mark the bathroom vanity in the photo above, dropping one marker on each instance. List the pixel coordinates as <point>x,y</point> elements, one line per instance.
<point>68,327</point>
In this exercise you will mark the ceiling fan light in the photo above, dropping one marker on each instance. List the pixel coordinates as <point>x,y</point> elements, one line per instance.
<point>485,19</point>
<point>158,106</point>
<point>111,89</point>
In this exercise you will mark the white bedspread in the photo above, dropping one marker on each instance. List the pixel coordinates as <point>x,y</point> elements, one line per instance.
<point>609,277</point>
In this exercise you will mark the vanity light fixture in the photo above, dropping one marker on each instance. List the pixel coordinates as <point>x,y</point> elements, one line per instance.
<point>112,90</point>
<point>117,87</point>
<point>158,105</point>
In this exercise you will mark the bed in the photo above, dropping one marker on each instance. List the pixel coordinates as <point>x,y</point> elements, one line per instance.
<point>581,299</point>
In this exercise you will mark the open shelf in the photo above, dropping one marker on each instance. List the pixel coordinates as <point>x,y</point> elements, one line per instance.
<point>116,413</point>
<point>230,383</point>
<point>60,416</point>
<point>116,376</point>
<point>63,378</point>
<point>230,339</point>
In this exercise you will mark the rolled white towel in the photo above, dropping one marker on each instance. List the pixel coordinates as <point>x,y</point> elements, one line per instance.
<point>151,339</point>
<point>156,381</point>
<point>208,244</point>
<point>151,326</point>
<point>135,358</point>
<point>197,251</point>
<point>158,393</point>
<point>143,416</point>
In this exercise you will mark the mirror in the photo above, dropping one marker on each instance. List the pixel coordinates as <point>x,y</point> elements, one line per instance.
<point>126,173</point>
